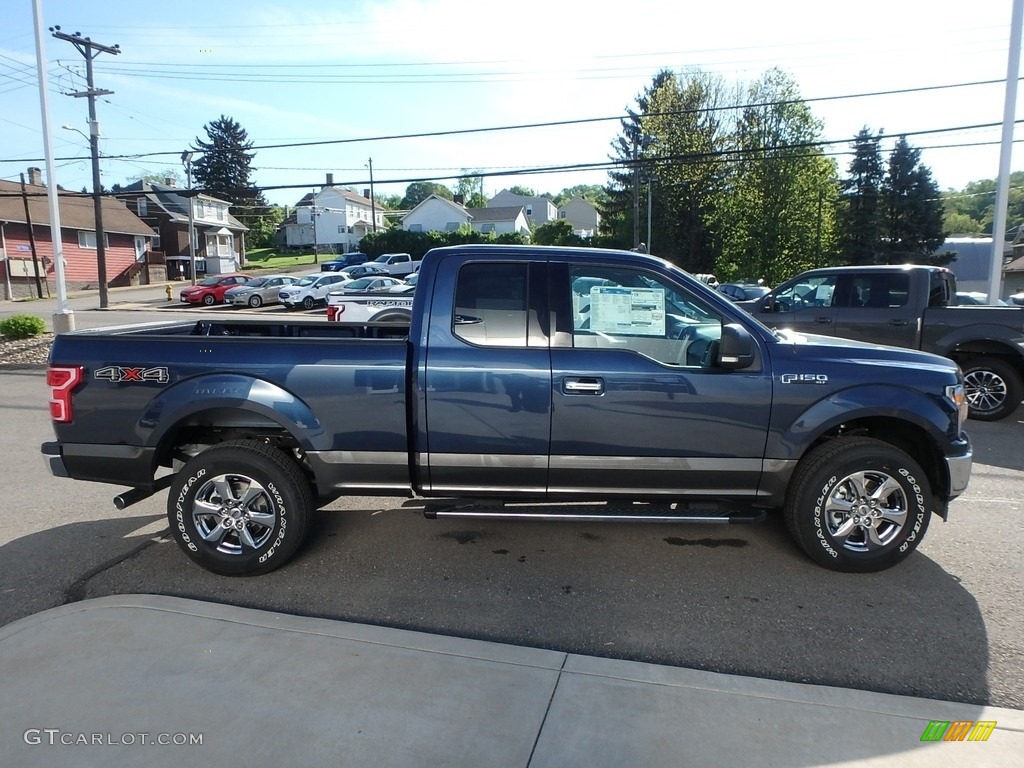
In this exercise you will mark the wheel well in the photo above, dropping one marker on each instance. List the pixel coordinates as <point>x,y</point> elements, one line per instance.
<point>203,429</point>
<point>909,438</point>
<point>983,348</point>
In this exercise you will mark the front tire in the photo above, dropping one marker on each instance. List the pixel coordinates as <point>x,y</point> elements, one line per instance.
<point>993,388</point>
<point>255,301</point>
<point>858,505</point>
<point>209,299</point>
<point>308,303</point>
<point>240,508</point>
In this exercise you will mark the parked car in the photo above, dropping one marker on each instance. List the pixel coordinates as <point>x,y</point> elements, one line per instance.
<point>707,278</point>
<point>743,292</point>
<point>362,270</point>
<point>211,290</point>
<point>340,263</point>
<point>258,291</point>
<point>408,284</point>
<point>371,284</point>
<point>311,290</point>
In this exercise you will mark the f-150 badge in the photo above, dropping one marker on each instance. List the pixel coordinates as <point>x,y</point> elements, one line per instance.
<point>804,378</point>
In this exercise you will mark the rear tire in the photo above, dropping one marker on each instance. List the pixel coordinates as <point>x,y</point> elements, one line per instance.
<point>240,508</point>
<point>993,388</point>
<point>858,505</point>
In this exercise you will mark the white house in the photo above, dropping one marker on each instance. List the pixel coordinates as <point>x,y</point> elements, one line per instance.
<point>343,218</point>
<point>435,214</point>
<point>539,210</point>
<point>582,215</point>
<point>501,220</point>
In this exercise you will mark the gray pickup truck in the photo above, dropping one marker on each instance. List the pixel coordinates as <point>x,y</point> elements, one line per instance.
<point>915,307</point>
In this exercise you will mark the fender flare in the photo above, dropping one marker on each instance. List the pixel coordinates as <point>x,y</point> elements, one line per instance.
<point>165,412</point>
<point>859,402</point>
<point>987,336</point>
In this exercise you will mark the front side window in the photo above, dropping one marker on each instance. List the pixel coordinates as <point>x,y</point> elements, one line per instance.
<point>812,293</point>
<point>490,304</point>
<point>632,310</point>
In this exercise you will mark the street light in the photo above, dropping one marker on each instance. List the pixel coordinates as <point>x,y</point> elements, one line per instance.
<point>186,158</point>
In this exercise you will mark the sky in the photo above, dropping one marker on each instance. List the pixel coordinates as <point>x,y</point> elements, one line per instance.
<point>354,73</point>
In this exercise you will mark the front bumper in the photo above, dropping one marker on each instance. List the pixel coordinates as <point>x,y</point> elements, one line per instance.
<point>958,468</point>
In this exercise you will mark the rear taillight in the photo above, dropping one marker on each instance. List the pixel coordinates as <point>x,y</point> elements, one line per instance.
<point>62,381</point>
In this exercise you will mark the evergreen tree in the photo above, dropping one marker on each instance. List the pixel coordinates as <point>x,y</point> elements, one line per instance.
<point>912,223</point>
<point>224,168</point>
<point>861,204</point>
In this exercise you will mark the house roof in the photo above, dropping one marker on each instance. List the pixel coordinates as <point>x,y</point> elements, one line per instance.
<point>175,204</point>
<point>307,198</point>
<point>76,211</point>
<point>501,213</point>
<point>460,208</point>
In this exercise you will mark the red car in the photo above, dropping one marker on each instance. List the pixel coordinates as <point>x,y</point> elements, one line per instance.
<point>211,290</point>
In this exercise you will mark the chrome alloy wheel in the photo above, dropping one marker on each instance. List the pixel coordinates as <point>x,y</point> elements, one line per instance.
<point>985,390</point>
<point>866,511</point>
<point>233,513</point>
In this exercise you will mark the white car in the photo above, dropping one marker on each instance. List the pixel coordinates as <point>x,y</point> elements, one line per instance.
<point>370,284</point>
<point>312,289</point>
<point>396,264</point>
<point>368,307</point>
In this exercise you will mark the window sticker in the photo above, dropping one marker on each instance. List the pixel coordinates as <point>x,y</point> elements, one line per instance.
<point>636,311</point>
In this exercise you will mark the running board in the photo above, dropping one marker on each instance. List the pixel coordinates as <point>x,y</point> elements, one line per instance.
<point>596,513</point>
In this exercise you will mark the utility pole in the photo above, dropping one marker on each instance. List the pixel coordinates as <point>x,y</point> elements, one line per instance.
<point>90,51</point>
<point>636,193</point>
<point>373,203</point>
<point>312,217</point>
<point>186,158</point>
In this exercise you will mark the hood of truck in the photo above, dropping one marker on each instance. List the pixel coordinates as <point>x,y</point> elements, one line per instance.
<point>834,350</point>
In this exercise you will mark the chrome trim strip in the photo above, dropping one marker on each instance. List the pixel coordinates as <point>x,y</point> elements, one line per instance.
<point>488,489</point>
<point>656,463</point>
<point>489,461</point>
<point>388,458</point>
<point>670,492</point>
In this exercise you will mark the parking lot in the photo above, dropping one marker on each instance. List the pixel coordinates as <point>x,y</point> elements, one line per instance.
<point>947,624</point>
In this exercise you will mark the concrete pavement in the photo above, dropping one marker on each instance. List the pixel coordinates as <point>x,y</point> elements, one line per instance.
<point>155,681</point>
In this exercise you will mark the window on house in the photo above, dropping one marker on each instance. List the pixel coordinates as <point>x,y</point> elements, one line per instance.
<point>561,214</point>
<point>156,239</point>
<point>529,210</point>
<point>143,206</point>
<point>341,229</point>
<point>88,240</point>
<point>222,212</point>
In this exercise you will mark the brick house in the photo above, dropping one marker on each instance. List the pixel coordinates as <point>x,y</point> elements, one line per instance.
<point>219,236</point>
<point>126,238</point>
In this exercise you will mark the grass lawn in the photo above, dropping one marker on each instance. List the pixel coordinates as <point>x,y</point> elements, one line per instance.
<point>262,259</point>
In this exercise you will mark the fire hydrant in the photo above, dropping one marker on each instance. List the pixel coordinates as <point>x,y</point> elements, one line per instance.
<point>168,289</point>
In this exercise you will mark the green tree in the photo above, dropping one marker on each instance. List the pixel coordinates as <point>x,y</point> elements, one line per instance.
<point>618,218</point>
<point>524,191</point>
<point>224,167</point>
<point>777,216</point>
<point>911,227</point>
<point>419,191</point>
<point>861,204</point>
<point>469,187</point>
<point>558,232</point>
<point>682,136</point>
<point>594,193</point>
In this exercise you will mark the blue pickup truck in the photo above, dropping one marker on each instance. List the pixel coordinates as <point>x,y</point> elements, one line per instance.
<point>529,382</point>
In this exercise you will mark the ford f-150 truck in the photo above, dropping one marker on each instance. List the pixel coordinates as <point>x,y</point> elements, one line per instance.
<point>529,382</point>
<point>909,306</point>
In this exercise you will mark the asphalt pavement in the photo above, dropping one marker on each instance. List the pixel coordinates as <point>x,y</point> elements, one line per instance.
<point>156,680</point>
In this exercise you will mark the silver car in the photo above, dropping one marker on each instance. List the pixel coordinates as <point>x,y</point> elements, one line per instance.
<point>258,291</point>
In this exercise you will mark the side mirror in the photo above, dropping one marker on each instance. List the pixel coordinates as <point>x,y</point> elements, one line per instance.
<point>768,305</point>
<point>736,349</point>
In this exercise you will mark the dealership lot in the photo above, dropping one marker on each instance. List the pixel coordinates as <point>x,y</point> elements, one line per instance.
<point>947,624</point>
